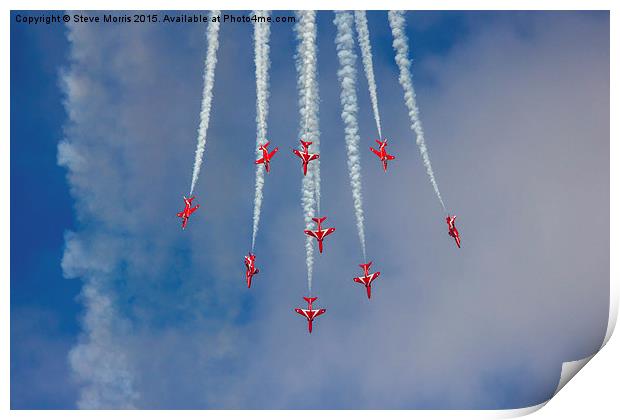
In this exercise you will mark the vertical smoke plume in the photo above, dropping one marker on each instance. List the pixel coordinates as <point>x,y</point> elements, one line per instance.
<point>401,47</point>
<point>305,64</point>
<point>347,74</point>
<point>213,30</point>
<point>361,23</point>
<point>262,64</point>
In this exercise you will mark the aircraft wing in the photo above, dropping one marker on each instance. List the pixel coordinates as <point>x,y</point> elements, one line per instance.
<point>329,231</point>
<point>300,312</point>
<point>319,312</point>
<point>261,160</point>
<point>273,152</point>
<point>193,209</point>
<point>297,153</point>
<point>358,280</point>
<point>311,233</point>
<point>376,152</point>
<point>374,275</point>
<point>312,157</point>
<point>389,157</point>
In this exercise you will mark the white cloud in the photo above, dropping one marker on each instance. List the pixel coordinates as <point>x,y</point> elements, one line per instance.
<point>518,128</point>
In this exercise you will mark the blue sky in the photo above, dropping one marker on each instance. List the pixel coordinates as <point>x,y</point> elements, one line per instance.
<point>516,111</point>
<point>43,306</point>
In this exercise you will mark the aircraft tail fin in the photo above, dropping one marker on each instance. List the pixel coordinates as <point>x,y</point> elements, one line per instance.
<point>305,143</point>
<point>319,219</point>
<point>310,299</point>
<point>366,266</point>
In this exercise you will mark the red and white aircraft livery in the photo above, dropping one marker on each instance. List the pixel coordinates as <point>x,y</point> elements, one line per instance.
<point>452,230</point>
<point>382,154</point>
<point>310,313</point>
<point>320,233</point>
<point>187,211</point>
<point>250,268</point>
<point>266,155</point>
<point>305,155</point>
<point>367,278</point>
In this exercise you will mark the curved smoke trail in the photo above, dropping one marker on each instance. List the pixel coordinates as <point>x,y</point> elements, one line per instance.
<point>347,74</point>
<point>401,47</point>
<point>213,30</point>
<point>305,64</point>
<point>262,64</point>
<point>363,35</point>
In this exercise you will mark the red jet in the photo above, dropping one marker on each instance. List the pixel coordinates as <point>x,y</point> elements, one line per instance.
<point>187,211</point>
<point>319,233</point>
<point>382,154</point>
<point>367,279</point>
<point>310,313</point>
<point>266,155</point>
<point>305,155</point>
<point>452,230</point>
<point>250,269</point>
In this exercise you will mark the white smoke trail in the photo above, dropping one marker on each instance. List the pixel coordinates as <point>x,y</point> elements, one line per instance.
<point>311,103</point>
<point>262,64</point>
<point>401,47</point>
<point>305,64</point>
<point>213,30</point>
<point>363,35</point>
<point>347,74</point>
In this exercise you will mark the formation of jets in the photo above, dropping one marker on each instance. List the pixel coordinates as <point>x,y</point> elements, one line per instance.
<point>320,233</point>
